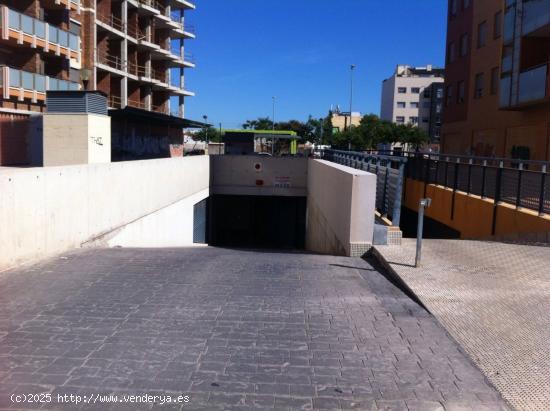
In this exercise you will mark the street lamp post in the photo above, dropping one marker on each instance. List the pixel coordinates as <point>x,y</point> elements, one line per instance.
<point>273,129</point>
<point>352,69</point>
<point>205,117</point>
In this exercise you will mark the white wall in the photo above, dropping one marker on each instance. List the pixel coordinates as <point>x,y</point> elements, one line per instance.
<point>170,227</point>
<point>44,211</point>
<point>340,209</point>
<point>280,176</point>
<point>76,139</point>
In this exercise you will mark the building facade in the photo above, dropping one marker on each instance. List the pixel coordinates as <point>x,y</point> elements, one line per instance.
<point>497,86</point>
<point>341,120</point>
<point>131,50</point>
<point>410,95</point>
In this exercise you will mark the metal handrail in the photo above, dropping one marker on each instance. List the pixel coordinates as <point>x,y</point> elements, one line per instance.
<point>112,21</point>
<point>110,60</point>
<point>115,101</point>
<point>459,157</point>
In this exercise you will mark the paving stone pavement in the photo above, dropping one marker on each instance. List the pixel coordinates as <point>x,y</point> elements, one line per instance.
<point>233,330</point>
<point>494,299</point>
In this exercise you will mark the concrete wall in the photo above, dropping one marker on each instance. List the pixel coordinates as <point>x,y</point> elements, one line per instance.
<point>341,204</point>
<point>509,221</point>
<point>44,211</point>
<point>239,175</point>
<point>170,227</point>
<point>76,139</point>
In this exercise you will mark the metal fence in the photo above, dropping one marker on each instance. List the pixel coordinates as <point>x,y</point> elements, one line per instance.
<point>390,172</point>
<point>520,183</point>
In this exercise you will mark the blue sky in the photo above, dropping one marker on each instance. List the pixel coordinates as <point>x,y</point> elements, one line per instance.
<point>300,51</point>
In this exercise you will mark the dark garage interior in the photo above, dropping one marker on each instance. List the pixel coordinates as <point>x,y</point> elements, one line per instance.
<point>257,222</point>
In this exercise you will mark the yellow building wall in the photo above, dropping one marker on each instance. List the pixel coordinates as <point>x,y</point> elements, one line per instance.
<point>473,216</point>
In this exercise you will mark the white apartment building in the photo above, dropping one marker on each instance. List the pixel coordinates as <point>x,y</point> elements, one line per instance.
<point>406,96</point>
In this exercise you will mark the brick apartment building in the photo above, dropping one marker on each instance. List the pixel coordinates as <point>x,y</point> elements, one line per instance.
<point>132,50</point>
<point>497,89</point>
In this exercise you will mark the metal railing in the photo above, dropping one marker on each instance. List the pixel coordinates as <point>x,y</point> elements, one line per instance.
<point>39,83</point>
<point>523,184</point>
<point>42,30</point>
<point>111,21</point>
<point>115,101</point>
<point>107,59</point>
<point>390,172</point>
<point>520,183</point>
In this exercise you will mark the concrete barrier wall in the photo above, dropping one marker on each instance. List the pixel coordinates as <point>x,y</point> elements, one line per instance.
<point>44,211</point>
<point>259,175</point>
<point>340,209</point>
<point>170,227</point>
<point>473,215</point>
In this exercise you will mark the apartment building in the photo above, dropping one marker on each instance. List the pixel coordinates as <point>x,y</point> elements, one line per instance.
<point>497,85</point>
<point>411,96</point>
<point>341,120</point>
<point>132,50</point>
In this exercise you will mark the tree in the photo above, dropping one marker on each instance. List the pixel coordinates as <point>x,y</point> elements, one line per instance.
<point>262,123</point>
<point>327,129</point>
<point>213,135</point>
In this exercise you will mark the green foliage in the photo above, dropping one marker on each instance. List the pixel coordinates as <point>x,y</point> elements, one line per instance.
<point>371,132</point>
<point>213,135</point>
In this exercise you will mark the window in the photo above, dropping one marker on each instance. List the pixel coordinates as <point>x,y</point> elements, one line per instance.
<point>451,52</point>
<point>75,27</point>
<point>482,34</point>
<point>426,104</point>
<point>461,91</point>
<point>414,104</point>
<point>449,95</point>
<point>425,119</point>
<point>413,120</point>
<point>497,28</point>
<point>464,44</point>
<point>480,80</point>
<point>439,93</point>
<point>495,77</point>
<point>438,108</point>
<point>402,90</point>
<point>401,104</point>
<point>454,6</point>
<point>400,120</point>
<point>427,93</point>
<point>465,4</point>
<point>74,75</point>
<point>415,90</point>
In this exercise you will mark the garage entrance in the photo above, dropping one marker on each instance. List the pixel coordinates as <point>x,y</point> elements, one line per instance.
<point>257,221</point>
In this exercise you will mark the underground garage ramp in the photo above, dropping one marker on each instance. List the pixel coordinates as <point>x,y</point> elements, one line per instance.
<point>274,222</point>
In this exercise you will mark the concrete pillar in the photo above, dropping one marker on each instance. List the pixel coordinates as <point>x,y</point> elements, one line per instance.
<point>76,139</point>
<point>124,57</point>
<point>182,106</point>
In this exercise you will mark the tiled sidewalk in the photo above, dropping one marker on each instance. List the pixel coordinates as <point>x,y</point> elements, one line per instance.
<point>494,299</point>
<point>234,330</point>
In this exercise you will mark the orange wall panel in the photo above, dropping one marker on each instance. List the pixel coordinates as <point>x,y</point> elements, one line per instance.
<point>511,221</point>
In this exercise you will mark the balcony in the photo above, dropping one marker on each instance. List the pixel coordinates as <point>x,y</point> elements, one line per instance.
<point>110,63</point>
<point>182,4</point>
<point>23,85</point>
<point>179,59</point>
<point>110,23</point>
<point>21,29</point>
<point>533,85</point>
<point>532,89</point>
<point>148,7</point>
<point>182,30</point>
<point>536,18</point>
<point>64,4</point>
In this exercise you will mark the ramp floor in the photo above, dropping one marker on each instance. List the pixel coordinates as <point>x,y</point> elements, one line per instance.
<point>233,330</point>
<point>494,299</point>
